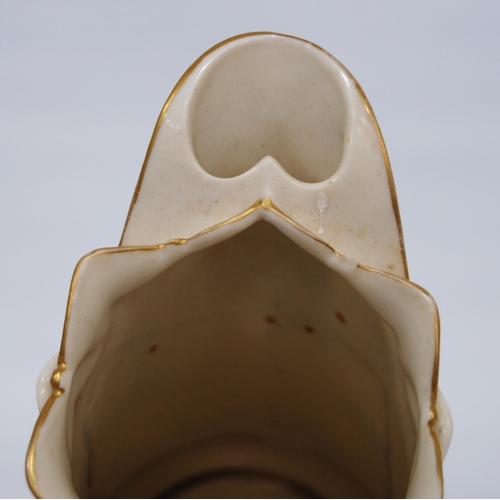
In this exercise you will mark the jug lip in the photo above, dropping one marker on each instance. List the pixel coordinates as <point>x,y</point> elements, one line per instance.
<point>360,92</point>
<point>264,209</point>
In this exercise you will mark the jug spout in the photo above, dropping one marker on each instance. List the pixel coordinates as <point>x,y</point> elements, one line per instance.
<point>242,342</point>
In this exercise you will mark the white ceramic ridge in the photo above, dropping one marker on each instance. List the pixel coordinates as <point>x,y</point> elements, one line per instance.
<point>255,332</point>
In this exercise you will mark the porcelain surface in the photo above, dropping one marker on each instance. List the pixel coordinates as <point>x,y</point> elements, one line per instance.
<point>257,317</point>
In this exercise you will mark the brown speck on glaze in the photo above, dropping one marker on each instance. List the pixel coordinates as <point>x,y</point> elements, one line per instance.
<point>340,317</point>
<point>271,320</point>
<point>309,329</point>
<point>153,348</point>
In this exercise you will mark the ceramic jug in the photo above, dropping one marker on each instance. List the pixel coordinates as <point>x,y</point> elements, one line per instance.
<point>255,333</point>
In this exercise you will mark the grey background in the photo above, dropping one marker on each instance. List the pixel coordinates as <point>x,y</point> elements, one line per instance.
<point>81,85</point>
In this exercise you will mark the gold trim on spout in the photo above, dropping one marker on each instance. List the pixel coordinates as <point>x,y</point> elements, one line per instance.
<point>369,110</point>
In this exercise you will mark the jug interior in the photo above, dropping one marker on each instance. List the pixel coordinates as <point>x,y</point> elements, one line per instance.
<point>281,97</point>
<point>246,369</point>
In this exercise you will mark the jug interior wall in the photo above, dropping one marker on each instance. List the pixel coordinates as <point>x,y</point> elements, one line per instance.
<point>247,368</point>
<point>282,99</point>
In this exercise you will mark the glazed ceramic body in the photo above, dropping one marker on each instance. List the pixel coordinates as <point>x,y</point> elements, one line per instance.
<point>255,333</point>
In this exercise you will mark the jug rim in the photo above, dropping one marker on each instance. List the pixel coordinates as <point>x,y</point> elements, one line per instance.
<point>264,205</point>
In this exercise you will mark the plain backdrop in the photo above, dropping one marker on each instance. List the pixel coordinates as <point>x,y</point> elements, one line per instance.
<point>81,85</point>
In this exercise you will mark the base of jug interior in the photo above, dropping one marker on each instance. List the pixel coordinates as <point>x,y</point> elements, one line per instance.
<point>238,483</point>
<point>242,467</point>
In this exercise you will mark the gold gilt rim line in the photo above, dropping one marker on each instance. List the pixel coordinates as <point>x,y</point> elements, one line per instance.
<point>390,176</point>
<point>265,204</point>
<point>42,417</point>
<point>366,102</point>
